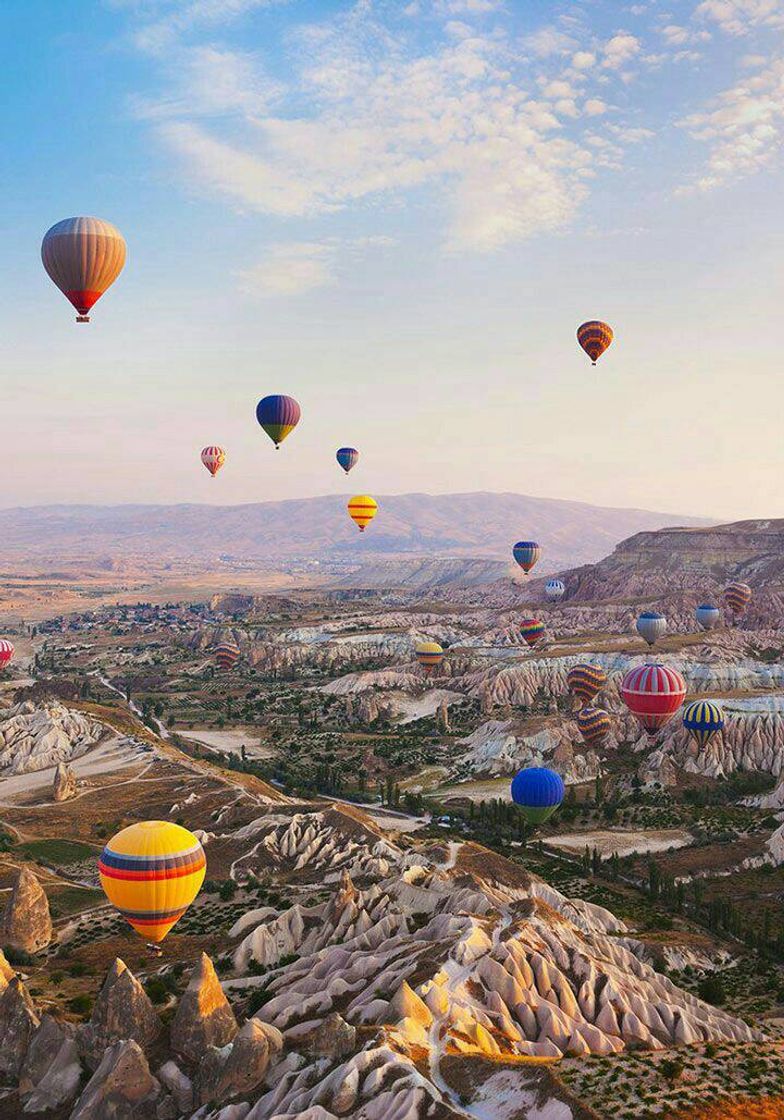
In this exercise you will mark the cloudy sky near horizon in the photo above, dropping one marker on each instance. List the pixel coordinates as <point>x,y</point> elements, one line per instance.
<point>399,213</point>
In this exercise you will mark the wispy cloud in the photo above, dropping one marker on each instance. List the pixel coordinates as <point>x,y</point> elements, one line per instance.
<point>289,268</point>
<point>738,17</point>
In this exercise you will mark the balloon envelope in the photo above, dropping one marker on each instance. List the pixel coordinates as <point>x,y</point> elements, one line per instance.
<point>526,553</point>
<point>151,872</point>
<point>227,654</point>
<point>584,681</point>
<point>278,416</point>
<point>594,337</point>
<point>538,791</point>
<point>554,589</point>
<point>594,724</point>
<point>6,652</point>
<point>213,458</point>
<point>347,457</point>
<point>531,630</point>
<point>83,256</point>
<point>653,693</point>
<point>703,719</point>
<point>362,509</point>
<point>737,596</point>
<point>707,616</point>
<point>651,626</point>
<point>429,655</point>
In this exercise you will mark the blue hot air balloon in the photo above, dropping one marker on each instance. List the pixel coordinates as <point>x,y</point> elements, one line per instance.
<point>347,457</point>
<point>278,416</point>
<point>526,553</point>
<point>702,719</point>
<point>651,625</point>
<point>707,616</point>
<point>538,791</point>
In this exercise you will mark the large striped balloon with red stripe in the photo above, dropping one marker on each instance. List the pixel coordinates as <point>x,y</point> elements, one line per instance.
<point>584,681</point>
<point>532,630</point>
<point>83,256</point>
<point>653,693</point>
<point>6,652</point>
<point>737,596</point>
<point>594,724</point>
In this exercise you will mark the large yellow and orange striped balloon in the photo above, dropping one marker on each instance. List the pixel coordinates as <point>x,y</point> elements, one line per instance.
<point>362,509</point>
<point>84,257</point>
<point>429,655</point>
<point>151,872</point>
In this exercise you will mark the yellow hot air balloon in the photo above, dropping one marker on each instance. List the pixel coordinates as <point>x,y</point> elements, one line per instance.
<point>151,872</point>
<point>429,655</point>
<point>362,509</point>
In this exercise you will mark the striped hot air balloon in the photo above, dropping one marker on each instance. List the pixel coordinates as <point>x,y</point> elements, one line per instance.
<point>707,616</point>
<point>526,553</point>
<point>151,872</point>
<point>653,693</point>
<point>278,416</point>
<point>594,724</point>
<point>227,654</point>
<point>362,509</point>
<point>538,791</point>
<point>585,681</point>
<point>83,256</point>
<point>737,596</point>
<point>651,626</point>
<point>594,337</point>
<point>531,630</point>
<point>702,719</point>
<point>213,458</point>
<point>347,457</point>
<point>6,652</point>
<point>429,655</point>
<point>554,590</point>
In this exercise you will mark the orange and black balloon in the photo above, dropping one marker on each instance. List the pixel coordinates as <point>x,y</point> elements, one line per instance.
<point>594,337</point>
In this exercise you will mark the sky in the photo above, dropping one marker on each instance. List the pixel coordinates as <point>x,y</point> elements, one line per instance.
<point>399,214</point>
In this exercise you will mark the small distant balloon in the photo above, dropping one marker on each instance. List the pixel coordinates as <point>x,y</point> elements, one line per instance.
<point>6,652</point>
<point>538,791</point>
<point>362,509</point>
<point>227,654</point>
<point>737,596</point>
<point>213,458</point>
<point>585,681</point>
<point>653,693</point>
<point>594,337</point>
<point>707,616</point>
<point>278,416</point>
<point>83,257</point>
<point>532,630</point>
<point>594,724</point>
<point>703,719</point>
<point>554,590</point>
<point>429,655</point>
<point>526,553</point>
<point>347,457</point>
<point>651,626</point>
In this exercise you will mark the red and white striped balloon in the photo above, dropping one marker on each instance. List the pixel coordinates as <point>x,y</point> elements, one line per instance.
<point>6,652</point>
<point>653,693</point>
<point>213,458</point>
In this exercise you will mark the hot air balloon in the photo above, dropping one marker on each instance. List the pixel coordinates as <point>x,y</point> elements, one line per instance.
<point>594,724</point>
<point>213,458</point>
<point>6,652</point>
<point>526,553</point>
<point>531,629</point>
<point>702,719</point>
<point>278,416</point>
<point>653,693</point>
<point>362,509</point>
<point>554,590</point>
<point>737,596</point>
<point>227,654</point>
<point>347,457</point>
<point>584,681</point>
<point>594,337</point>
<point>151,872</point>
<point>83,256</point>
<point>707,616</point>
<point>651,626</point>
<point>429,655</point>
<point>538,791</point>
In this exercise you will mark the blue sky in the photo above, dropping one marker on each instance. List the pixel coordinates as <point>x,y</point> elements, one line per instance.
<point>399,214</point>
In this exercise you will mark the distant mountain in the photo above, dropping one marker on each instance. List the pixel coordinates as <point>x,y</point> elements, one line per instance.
<point>454,525</point>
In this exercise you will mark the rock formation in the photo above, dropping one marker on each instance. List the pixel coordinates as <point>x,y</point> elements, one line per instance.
<point>64,785</point>
<point>36,737</point>
<point>26,922</point>
<point>51,1072</point>
<point>18,1021</point>
<point>122,1087</point>
<point>204,1016</point>
<point>122,1011</point>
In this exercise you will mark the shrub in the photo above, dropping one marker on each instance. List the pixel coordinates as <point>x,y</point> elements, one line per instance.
<point>711,989</point>
<point>81,1004</point>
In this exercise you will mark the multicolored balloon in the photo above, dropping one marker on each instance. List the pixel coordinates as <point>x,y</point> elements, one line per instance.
<point>594,337</point>
<point>526,553</point>
<point>554,590</point>
<point>538,791</point>
<point>213,458</point>
<point>707,616</point>
<point>651,626</point>
<point>594,724</point>
<point>6,652</point>
<point>84,257</point>
<point>531,630</point>
<point>227,654</point>
<point>703,719</point>
<point>584,681</point>
<point>151,872</point>
<point>429,655</point>
<point>737,596</point>
<point>653,693</point>
<point>347,457</point>
<point>362,509</point>
<point>278,416</point>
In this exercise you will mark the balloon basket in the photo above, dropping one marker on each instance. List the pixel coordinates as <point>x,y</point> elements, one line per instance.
<point>83,318</point>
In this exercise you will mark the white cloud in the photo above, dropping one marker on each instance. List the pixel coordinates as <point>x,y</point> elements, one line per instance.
<point>171,18</point>
<point>290,268</point>
<point>470,7</point>
<point>548,41</point>
<point>620,50</point>
<point>738,17</point>
<point>583,60</point>
<point>595,107</point>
